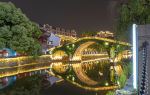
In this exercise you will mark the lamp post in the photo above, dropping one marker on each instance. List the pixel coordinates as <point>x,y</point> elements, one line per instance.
<point>114,49</point>
<point>70,49</point>
<point>116,52</point>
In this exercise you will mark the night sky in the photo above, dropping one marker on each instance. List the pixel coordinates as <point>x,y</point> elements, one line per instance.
<point>81,15</point>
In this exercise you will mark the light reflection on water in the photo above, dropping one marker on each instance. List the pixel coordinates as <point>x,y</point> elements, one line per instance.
<point>64,69</point>
<point>97,71</point>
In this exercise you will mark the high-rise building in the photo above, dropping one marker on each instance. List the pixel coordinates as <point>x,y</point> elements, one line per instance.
<point>143,36</point>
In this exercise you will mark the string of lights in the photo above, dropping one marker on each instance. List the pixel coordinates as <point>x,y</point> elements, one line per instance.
<point>144,80</point>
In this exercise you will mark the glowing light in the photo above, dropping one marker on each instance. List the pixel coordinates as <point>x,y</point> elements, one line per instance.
<point>106,43</point>
<point>118,83</point>
<point>73,45</point>
<point>134,42</point>
<point>67,46</point>
<point>76,58</point>
<point>73,79</point>
<point>106,84</point>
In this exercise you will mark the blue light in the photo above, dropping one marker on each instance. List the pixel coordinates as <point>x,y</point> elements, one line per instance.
<point>135,61</point>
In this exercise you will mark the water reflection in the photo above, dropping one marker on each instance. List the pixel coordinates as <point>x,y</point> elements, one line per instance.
<point>86,78</point>
<point>90,76</point>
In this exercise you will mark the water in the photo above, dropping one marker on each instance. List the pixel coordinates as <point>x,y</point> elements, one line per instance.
<point>65,88</point>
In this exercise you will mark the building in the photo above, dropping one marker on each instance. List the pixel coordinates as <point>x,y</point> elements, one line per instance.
<point>7,52</point>
<point>49,40</point>
<point>59,31</point>
<point>105,34</point>
<point>53,40</point>
<point>101,34</point>
<point>51,37</point>
<point>3,53</point>
<point>143,36</point>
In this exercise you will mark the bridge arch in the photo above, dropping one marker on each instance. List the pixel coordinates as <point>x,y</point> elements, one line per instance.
<point>105,43</point>
<point>75,49</point>
<point>78,51</point>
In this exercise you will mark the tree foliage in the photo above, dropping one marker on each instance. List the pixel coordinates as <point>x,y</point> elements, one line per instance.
<point>135,11</point>
<point>122,80</point>
<point>110,93</point>
<point>17,31</point>
<point>25,86</point>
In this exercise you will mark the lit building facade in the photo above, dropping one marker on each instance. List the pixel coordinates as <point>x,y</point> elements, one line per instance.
<point>6,52</point>
<point>59,31</point>
<point>143,36</point>
<point>3,53</point>
<point>105,34</point>
<point>50,38</point>
<point>48,41</point>
<point>101,34</point>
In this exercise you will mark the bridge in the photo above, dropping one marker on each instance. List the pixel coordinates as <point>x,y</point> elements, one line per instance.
<point>76,48</point>
<point>71,53</point>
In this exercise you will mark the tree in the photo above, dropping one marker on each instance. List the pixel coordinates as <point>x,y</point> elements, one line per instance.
<point>17,31</point>
<point>122,79</point>
<point>135,11</point>
<point>110,93</point>
<point>30,85</point>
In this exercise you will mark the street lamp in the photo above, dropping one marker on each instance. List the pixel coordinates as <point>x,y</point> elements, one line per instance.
<point>106,84</point>
<point>70,49</point>
<point>113,55</point>
<point>106,43</point>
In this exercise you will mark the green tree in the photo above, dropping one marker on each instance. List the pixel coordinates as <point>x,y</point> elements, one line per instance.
<point>110,93</point>
<point>122,80</point>
<point>17,31</point>
<point>135,11</point>
<point>31,85</point>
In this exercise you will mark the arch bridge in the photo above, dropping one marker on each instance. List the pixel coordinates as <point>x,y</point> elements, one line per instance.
<point>75,49</point>
<point>73,52</point>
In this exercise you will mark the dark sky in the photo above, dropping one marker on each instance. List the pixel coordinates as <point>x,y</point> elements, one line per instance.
<point>81,15</point>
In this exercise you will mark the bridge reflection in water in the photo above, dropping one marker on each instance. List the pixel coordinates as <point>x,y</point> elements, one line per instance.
<point>57,67</point>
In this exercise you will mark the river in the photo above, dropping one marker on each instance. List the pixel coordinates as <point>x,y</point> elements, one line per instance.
<point>65,88</point>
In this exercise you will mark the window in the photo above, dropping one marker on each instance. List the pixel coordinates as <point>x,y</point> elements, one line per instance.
<point>50,42</point>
